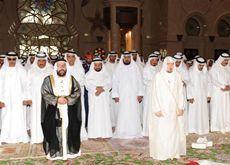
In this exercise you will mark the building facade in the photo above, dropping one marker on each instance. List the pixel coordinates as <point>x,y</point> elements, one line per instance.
<point>190,26</point>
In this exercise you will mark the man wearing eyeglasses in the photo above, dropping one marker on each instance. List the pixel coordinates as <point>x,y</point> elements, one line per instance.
<point>12,99</point>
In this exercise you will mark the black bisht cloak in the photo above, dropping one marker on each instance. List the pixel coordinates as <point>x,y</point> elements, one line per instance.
<point>51,143</point>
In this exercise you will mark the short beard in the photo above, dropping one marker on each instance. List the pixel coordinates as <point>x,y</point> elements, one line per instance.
<point>41,67</point>
<point>98,70</point>
<point>126,63</point>
<point>224,64</point>
<point>112,61</point>
<point>61,74</point>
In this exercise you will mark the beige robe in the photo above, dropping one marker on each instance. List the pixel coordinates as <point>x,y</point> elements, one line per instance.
<point>166,134</point>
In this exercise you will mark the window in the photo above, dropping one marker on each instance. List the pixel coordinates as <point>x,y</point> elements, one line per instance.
<point>223,28</point>
<point>192,27</point>
<point>43,27</point>
<point>42,11</point>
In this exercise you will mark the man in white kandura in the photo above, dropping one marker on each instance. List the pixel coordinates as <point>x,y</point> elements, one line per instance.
<point>220,98</point>
<point>29,61</point>
<point>167,139</point>
<point>183,71</point>
<point>128,91</point>
<point>110,66</point>
<point>199,95</point>
<point>149,73</point>
<point>98,84</point>
<point>136,58</point>
<point>36,74</point>
<point>2,57</point>
<point>12,99</point>
<point>77,71</point>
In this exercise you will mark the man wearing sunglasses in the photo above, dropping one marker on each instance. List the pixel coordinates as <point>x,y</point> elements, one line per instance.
<point>12,98</point>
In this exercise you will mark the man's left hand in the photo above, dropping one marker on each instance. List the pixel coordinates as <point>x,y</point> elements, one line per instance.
<point>27,102</point>
<point>97,93</point>
<point>2,105</point>
<point>139,98</point>
<point>62,100</point>
<point>180,112</point>
<point>184,84</point>
<point>99,90</point>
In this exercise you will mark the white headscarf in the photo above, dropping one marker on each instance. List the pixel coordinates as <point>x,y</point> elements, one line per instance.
<point>77,60</point>
<point>196,64</point>
<point>151,56</point>
<point>38,57</point>
<point>77,63</point>
<point>92,74</point>
<point>139,60</point>
<point>220,59</point>
<point>91,69</point>
<point>6,63</point>
<point>110,54</point>
<point>121,63</point>
<point>167,60</point>
<point>2,56</point>
<point>28,64</point>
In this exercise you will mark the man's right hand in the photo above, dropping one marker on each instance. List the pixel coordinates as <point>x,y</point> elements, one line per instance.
<point>116,99</point>
<point>2,105</point>
<point>99,90</point>
<point>29,102</point>
<point>191,101</point>
<point>226,88</point>
<point>159,114</point>
<point>184,84</point>
<point>62,100</point>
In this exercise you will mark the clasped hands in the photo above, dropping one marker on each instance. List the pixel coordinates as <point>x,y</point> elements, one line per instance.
<point>62,100</point>
<point>139,99</point>
<point>191,101</point>
<point>25,102</point>
<point>179,112</point>
<point>99,90</point>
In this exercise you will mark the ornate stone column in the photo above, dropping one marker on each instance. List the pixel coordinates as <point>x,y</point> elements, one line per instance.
<point>136,33</point>
<point>115,33</point>
<point>115,30</point>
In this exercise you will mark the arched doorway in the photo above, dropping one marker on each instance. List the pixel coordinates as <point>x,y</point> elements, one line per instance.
<point>223,32</point>
<point>194,34</point>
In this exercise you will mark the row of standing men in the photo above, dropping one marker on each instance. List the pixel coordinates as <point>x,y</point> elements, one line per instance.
<point>124,103</point>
